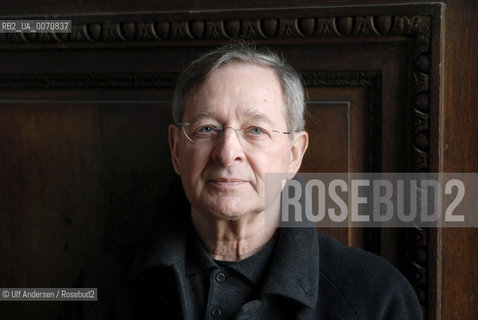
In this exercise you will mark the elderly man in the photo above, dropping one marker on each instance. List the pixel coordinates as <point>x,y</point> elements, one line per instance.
<point>239,114</point>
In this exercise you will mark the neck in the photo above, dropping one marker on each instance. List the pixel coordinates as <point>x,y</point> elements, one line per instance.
<point>232,240</point>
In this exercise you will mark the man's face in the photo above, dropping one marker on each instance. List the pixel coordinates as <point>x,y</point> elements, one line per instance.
<point>224,179</point>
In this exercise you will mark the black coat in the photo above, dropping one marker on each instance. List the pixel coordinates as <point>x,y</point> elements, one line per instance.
<point>311,276</point>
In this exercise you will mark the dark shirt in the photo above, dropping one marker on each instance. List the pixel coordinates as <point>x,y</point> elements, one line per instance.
<point>218,289</point>
<point>309,276</point>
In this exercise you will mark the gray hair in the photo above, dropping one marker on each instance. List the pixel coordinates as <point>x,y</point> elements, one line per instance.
<point>197,72</point>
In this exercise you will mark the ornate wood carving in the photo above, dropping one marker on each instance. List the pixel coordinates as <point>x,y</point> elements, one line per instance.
<point>89,80</point>
<point>418,238</point>
<point>164,80</point>
<point>165,29</point>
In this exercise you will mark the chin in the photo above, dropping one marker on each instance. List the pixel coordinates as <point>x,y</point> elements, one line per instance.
<point>232,211</point>
<point>228,216</point>
<point>227,213</point>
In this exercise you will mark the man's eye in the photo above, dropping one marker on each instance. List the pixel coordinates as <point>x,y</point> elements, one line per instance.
<point>206,129</point>
<point>256,131</point>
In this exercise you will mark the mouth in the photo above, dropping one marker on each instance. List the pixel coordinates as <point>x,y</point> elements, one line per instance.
<point>226,182</point>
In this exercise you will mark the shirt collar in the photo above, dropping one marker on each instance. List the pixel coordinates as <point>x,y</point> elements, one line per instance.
<point>198,260</point>
<point>254,267</point>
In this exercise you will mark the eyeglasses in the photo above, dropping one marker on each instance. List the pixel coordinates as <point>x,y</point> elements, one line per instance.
<point>201,132</point>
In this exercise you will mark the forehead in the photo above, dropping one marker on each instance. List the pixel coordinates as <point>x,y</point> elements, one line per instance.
<point>239,89</point>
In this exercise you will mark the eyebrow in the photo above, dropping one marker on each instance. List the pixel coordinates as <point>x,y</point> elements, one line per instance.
<point>253,113</point>
<point>203,114</point>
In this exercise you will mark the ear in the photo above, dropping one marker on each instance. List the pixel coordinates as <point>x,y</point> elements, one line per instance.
<point>300,143</point>
<point>173,138</point>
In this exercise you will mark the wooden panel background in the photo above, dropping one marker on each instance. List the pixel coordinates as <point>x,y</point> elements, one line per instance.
<point>83,122</point>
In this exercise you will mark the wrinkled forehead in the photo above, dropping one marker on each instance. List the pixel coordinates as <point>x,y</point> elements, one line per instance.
<point>254,91</point>
<point>248,116</point>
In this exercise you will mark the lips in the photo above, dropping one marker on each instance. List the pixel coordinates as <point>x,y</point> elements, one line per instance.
<point>226,181</point>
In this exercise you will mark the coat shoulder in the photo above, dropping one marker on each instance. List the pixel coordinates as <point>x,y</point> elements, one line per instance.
<point>106,273</point>
<point>367,285</point>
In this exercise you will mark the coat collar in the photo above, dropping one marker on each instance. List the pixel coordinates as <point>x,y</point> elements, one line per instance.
<point>163,247</point>
<point>293,273</point>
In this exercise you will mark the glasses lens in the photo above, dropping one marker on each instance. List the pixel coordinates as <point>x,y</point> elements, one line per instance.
<point>201,132</point>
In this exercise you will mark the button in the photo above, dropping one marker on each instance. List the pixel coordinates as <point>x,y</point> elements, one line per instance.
<point>215,312</point>
<point>220,277</point>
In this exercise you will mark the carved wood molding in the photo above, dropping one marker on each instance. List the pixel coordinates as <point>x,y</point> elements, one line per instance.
<point>88,80</point>
<point>340,78</point>
<point>417,239</point>
<point>194,28</point>
<point>164,80</point>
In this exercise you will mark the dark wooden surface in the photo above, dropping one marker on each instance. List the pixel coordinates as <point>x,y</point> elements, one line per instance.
<point>459,259</point>
<point>40,7</point>
<point>85,160</point>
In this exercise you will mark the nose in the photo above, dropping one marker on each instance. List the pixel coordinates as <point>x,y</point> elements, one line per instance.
<point>228,148</point>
